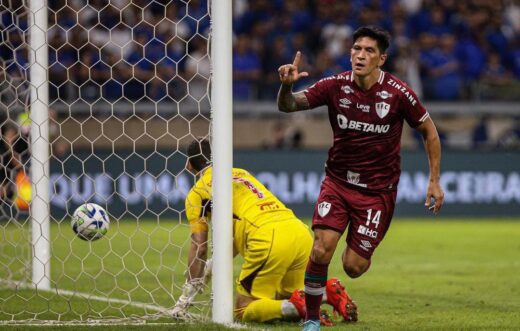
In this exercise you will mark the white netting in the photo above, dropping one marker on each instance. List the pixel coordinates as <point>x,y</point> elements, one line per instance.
<point>128,90</point>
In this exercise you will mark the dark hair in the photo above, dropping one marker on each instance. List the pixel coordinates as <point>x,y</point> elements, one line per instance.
<point>199,154</point>
<point>381,36</point>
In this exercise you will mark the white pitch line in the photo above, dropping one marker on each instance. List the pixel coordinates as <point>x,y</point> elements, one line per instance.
<point>82,295</point>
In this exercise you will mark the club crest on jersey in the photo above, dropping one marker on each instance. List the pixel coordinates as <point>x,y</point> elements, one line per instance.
<point>344,103</point>
<point>347,89</point>
<point>323,208</point>
<point>382,109</point>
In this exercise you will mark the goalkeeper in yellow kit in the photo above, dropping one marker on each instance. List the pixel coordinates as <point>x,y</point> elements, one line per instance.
<point>274,243</point>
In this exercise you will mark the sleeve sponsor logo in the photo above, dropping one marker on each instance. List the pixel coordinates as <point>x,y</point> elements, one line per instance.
<point>403,89</point>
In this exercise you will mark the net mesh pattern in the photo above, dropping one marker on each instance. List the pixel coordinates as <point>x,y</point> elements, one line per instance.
<point>128,90</point>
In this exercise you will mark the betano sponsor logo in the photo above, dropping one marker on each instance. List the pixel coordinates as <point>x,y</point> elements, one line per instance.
<point>344,123</point>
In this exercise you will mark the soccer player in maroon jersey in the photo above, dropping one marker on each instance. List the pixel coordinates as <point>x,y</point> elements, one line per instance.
<point>367,107</point>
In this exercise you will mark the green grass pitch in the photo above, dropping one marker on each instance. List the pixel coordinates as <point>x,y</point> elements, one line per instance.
<point>441,274</point>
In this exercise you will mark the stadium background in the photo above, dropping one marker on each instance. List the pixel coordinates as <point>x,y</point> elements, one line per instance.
<point>462,59</point>
<point>134,75</point>
<point>129,89</point>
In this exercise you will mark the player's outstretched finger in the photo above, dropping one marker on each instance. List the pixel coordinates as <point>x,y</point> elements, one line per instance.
<point>303,74</point>
<point>297,58</point>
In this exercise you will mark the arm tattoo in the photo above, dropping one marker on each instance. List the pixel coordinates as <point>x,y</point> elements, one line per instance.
<point>290,102</point>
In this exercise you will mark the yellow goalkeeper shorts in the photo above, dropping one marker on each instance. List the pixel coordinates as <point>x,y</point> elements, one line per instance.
<point>275,260</point>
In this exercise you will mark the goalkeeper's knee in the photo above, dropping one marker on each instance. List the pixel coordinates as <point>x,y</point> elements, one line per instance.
<point>262,310</point>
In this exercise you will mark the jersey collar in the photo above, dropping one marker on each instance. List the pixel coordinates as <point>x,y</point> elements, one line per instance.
<point>379,80</point>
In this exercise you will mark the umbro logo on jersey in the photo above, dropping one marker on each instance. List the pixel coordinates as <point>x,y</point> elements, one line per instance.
<point>324,208</point>
<point>382,109</point>
<point>365,245</point>
<point>384,95</point>
<point>344,103</point>
<point>347,89</point>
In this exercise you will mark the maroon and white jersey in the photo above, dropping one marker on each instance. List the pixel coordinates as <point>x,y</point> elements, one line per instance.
<point>367,127</point>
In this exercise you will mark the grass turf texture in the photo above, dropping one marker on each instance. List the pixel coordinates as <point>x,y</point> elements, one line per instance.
<point>442,274</point>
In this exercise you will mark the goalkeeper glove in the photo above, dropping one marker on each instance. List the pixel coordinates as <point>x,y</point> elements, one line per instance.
<point>190,289</point>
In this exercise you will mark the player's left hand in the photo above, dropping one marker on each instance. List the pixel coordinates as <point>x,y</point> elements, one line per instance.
<point>434,197</point>
<point>189,292</point>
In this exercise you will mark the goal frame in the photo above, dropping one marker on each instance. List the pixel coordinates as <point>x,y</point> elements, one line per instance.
<point>222,145</point>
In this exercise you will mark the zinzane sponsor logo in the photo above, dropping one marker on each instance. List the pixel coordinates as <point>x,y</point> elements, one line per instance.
<point>367,232</point>
<point>403,89</point>
<point>324,208</point>
<point>345,103</point>
<point>364,108</point>
<point>344,123</point>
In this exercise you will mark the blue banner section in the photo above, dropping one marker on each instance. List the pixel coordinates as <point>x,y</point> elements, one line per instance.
<point>154,183</point>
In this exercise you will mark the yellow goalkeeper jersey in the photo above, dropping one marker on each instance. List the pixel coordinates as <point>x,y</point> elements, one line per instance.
<point>253,206</point>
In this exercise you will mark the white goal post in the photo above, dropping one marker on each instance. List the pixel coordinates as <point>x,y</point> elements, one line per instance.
<point>222,142</point>
<point>142,70</point>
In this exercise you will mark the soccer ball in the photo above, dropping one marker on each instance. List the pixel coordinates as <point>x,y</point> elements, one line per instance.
<point>90,221</point>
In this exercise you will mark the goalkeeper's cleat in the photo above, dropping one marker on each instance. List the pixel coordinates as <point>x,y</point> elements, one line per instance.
<point>311,325</point>
<point>325,319</point>
<point>340,300</point>
<point>298,300</point>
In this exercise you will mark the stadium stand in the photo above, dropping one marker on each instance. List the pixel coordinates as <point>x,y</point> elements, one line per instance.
<point>447,50</point>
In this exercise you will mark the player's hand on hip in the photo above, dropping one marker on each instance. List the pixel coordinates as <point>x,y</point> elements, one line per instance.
<point>434,197</point>
<point>289,72</point>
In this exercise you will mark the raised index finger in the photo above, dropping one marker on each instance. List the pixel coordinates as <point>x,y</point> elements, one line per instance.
<point>296,61</point>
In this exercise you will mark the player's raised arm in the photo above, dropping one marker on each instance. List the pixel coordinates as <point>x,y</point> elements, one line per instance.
<point>287,100</point>
<point>434,193</point>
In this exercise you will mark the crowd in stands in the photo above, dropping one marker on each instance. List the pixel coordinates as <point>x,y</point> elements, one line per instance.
<point>158,50</point>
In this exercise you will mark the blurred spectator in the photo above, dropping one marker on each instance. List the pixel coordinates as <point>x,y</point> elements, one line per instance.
<point>494,72</point>
<point>406,66</point>
<point>197,68</point>
<point>284,137</point>
<point>511,138</point>
<point>12,148</point>
<point>497,82</point>
<point>246,69</point>
<point>442,71</point>
<point>123,46</point>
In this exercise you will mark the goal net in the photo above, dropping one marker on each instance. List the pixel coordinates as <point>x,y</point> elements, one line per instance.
<point>128,89</point>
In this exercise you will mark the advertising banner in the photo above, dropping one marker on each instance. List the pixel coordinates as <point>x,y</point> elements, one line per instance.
<point>150,184</point>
